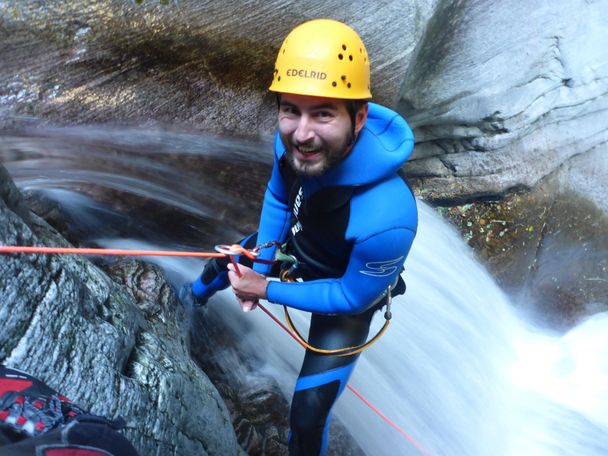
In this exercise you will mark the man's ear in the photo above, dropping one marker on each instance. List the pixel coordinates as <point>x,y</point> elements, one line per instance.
<point>360,118</point>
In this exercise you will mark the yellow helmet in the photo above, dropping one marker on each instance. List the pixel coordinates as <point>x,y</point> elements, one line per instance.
<point>323,58</point>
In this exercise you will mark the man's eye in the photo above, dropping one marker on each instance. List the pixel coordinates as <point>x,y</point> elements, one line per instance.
<point>289,110</point>
<point>324,114</point>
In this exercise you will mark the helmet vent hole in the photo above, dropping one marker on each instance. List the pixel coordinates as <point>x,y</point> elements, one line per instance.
<point>340,56</point>
<point>350,57</point>
<point>344,47</point>
<point>279,78</point>
<point>360,50</point>
<point>348,85</point>
<point>344,77</point>
<point>334,84</point>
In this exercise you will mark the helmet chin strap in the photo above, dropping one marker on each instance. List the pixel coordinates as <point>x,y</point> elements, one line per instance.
<point>353,117</point>
<point>353,140</point>
<point>353,107</point>
<point>353,135</point>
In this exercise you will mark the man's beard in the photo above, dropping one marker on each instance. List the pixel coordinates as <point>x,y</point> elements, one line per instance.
<point>331,155</point>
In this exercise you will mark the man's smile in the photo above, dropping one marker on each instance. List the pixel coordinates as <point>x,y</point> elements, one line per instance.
<point>307,152</point>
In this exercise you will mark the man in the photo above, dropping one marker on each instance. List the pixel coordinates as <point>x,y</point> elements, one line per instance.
<point>337,203</point>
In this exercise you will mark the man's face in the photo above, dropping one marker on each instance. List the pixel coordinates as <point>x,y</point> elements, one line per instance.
<point>316,132</point>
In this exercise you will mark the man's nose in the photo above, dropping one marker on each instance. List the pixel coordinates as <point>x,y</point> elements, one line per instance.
<point>304,132</point>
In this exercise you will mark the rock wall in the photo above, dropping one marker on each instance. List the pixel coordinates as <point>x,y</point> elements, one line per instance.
<point>546,247</point>
<point>508,101</point>
<point>500,93</point>
<point>115,348</point>
<point>503,93</point>
<point>206,64</point>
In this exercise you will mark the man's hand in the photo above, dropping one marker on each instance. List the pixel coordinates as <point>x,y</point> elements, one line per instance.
<point>249,288</point>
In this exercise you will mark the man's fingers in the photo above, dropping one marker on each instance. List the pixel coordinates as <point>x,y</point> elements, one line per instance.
<point>243,296</point>
<point>247,305</point>
<point>232,275</point>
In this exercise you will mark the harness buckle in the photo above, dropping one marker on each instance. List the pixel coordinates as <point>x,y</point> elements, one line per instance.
<point>387,313</point>
<point>289,265</point>
<point>266,245</point>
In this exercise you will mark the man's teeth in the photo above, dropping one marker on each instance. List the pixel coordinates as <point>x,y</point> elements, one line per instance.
<point>308,149</point>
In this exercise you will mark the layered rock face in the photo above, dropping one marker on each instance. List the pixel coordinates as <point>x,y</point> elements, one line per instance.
<point>503,93</point>
<point>114,347</point>
<point>508,101</point>
<point>206,64</point>
<point>500,94</point>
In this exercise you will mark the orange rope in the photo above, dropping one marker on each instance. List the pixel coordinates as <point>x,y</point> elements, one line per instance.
<point>244,251</point>
<point>90,251</point>
<point>393,425</point>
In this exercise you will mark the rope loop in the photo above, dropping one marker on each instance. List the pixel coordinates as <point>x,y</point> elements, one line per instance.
<point>286,276</point>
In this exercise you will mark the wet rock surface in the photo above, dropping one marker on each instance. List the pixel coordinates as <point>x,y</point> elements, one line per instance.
<point>501,95</point>
<point>200,189</point>
<point>547,247</point>
<point>113,349</point>
<point>202,63</point>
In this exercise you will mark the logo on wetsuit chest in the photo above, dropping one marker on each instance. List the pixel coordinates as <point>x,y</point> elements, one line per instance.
<point>297,203</point>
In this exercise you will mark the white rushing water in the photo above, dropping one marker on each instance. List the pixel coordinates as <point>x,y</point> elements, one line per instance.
<point>458,370</point>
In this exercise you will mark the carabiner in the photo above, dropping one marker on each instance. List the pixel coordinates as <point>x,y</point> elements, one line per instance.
<point>235,250</point>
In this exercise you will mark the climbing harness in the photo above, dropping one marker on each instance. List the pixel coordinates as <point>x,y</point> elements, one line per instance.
<point>231,251</point>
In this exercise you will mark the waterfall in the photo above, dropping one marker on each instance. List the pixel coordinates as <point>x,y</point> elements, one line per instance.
<point>460,370</point>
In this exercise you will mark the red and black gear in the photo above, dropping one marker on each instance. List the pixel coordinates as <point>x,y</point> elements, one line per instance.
<point>37,420</point>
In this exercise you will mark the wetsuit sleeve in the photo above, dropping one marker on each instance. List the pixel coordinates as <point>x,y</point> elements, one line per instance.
<point>275,217</point>
<point>374,265</point>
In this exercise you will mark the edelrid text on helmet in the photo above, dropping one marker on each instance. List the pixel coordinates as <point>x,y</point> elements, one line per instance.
<point>323,58</point>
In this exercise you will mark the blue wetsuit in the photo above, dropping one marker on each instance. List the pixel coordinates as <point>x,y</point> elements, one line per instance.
<point>351,228</point>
